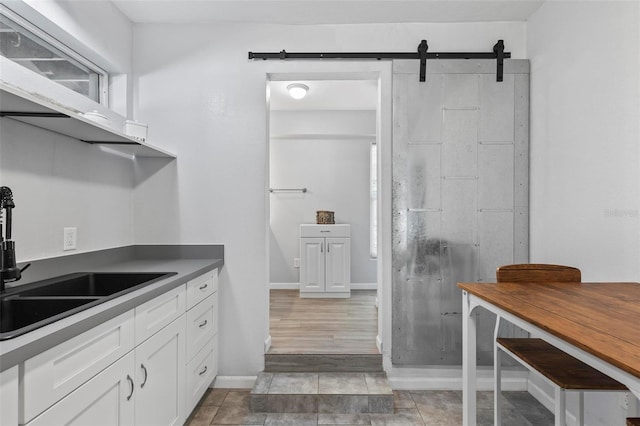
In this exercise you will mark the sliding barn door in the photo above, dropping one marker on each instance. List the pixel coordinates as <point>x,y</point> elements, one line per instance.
<point>460,198</point>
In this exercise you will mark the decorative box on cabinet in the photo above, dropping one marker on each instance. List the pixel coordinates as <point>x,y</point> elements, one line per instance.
<point>325,260</point>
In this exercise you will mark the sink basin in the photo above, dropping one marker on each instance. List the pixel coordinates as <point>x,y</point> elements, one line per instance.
<point>30,306</point>
<point>17,313</point>
<point>96,284</point>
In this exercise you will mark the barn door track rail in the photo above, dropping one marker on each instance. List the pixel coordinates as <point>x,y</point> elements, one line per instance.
<point>422,54</point>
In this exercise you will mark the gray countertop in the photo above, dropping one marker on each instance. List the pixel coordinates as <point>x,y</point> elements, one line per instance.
<point>16,350</point>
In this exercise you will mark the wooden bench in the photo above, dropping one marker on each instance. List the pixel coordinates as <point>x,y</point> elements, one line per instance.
<point>559,368</point>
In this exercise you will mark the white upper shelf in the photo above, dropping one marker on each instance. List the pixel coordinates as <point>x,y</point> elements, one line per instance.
<point>31,109</point>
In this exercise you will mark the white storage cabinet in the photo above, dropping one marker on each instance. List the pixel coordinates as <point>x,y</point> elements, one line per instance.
<point>202,336</point>
<point>325,260</point>
<point>9,414</point>
<point>148,366</point>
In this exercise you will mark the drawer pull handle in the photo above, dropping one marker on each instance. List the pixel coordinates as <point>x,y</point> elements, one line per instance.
<point>325,231</point>
<point>203,287</point>
<point>204,370</point>
<point>203,324</point>
<point>132,387</point>
<point>144,369</point>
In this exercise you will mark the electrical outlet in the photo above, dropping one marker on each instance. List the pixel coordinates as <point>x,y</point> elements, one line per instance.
<point>296,262</point>
<point>69,241</point>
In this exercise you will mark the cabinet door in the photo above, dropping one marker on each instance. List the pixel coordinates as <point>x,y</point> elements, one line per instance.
<point>107,399</point>
<point>312,265</point>
<point>9,397</point>
<point>338,265</point>
<point>160,380</point>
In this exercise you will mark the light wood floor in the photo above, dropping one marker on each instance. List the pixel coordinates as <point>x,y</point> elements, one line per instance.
<point>323,326</point>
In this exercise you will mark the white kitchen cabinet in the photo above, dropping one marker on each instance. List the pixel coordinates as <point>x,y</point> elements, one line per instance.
<point>160,377</point>
<point>202,336</point>
<point>9,397</point>
<point>107,399</point>
<point>153,315</point>
<point>147,366</point>
<point>201,371</point>
<point>53,374</point>
<point>325,260</point>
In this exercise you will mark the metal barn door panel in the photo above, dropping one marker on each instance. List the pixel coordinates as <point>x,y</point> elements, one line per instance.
<point>460,198</point>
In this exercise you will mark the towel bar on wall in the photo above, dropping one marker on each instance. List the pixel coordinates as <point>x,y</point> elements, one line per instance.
<point>303,190</point>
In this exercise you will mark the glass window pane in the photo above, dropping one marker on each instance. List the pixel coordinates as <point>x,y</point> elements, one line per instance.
<point>32,52</point>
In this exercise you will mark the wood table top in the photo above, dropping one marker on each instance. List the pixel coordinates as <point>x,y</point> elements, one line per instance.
<point>600,318</point>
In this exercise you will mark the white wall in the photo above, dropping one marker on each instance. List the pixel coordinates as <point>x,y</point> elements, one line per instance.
<point>585,173</point>
<point>205,101</point>
<point>335,170</point>
<point>58,181</point>
<point>585,148</point>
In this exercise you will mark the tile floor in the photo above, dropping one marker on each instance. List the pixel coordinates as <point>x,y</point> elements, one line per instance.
<point>429,408</point>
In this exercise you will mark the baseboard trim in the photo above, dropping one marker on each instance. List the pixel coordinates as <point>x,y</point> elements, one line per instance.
<point>445,378</point>
<point>267,344</point>
<point>284,286</point>
<point>234,382</point>
<point>364,286</point>
<point>296,286</point>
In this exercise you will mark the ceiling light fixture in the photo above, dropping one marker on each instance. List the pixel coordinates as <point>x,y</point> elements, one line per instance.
<point>298,90</point>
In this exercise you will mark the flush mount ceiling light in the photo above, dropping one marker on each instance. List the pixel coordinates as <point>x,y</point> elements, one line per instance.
<point>297,90</point>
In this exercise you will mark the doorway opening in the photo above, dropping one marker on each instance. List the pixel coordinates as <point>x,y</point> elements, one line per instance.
<point>322,157</point>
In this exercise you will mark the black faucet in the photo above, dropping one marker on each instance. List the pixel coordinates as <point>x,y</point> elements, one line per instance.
<point>8,270</point>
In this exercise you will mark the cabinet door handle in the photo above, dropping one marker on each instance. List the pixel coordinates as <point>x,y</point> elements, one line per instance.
<point>204,370</point>
<point>203,287</point>
<point>321,247</point>
<point>144,369</point>
<point>132,387</point>
<point>328,247</point>
<point>203,324</point>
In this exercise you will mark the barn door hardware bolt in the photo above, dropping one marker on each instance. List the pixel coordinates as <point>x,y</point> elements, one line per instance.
<point>422,54</point>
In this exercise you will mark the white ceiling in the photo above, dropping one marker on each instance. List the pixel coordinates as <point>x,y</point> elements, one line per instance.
<point>326,95</point>
<point>326,11</point>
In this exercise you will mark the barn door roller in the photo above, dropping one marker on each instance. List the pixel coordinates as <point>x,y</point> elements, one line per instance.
<point>422,54</point>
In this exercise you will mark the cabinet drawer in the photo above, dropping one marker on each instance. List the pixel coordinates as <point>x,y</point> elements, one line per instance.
<point>53,374</point>
<point>325,231</point>
<point>159,312</point>
<point>201,325</point>
<point>106,399</point>
<point>200,373</point>
<point>201,287</point>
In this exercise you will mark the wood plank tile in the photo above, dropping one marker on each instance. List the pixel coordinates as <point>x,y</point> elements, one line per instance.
<point>323,326</point>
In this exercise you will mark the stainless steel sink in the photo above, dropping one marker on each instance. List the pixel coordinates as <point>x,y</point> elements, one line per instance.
<point>30,306</point>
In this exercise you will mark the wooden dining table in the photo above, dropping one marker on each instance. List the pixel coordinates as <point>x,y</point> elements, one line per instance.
<point>598,323</point>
